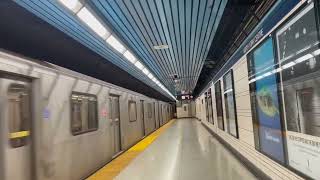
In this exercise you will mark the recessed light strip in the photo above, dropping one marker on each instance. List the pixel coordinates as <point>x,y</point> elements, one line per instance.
<point>89,18</point>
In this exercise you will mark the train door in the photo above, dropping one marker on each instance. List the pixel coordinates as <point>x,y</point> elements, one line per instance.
<point>115,118</point>
<point>142,118</point>
<point>16,141</point>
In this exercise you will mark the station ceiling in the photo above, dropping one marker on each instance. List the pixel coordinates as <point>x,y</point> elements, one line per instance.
<point>181,42</point>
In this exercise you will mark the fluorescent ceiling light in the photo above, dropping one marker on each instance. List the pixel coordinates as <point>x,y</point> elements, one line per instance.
<point>139,65</point>
<point>116,44</point>
<point>150,76</point>
<point>87,17</point>
<point>130,57</point>
<point>154,79</point>
<point>73,5</point>
<point>145,71</point>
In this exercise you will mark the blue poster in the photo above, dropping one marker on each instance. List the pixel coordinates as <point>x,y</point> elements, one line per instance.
<point>267,110</point>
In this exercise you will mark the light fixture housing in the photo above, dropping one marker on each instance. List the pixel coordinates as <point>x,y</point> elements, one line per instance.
<point>90,20</point>
<point>73,5</point>
<point>150,76</point>
<point>130,57</point>
<point>154,79</point>
<point>139,65</point>
<point>112,41</point>
<point>145,71</point>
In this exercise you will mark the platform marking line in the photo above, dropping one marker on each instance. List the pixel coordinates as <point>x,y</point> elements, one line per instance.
<point>112,169</point>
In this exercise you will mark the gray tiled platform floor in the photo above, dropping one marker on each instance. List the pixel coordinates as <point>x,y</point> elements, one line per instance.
<point>185,151</point>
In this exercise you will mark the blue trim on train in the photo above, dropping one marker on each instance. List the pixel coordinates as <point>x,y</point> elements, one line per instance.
<point>277,12</point>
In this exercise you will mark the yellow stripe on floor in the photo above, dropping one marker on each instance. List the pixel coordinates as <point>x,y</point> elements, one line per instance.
<point>112,169</point>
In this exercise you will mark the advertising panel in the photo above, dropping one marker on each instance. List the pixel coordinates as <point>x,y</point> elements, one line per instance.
<point>266,103</point>
<point>219,108</point>
<point>230,106</point>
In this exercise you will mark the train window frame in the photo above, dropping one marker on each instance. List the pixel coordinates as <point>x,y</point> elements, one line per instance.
<point>131,102</point>
<point>96,115</point>
<point>225,92</point>
<point>150,112</point>
<point>20,137</point>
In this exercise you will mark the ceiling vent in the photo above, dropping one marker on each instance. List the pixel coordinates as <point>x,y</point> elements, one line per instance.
<point>163,46</point>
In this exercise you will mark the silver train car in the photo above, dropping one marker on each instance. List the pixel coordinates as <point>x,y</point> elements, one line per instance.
<point>268,99</point>
<point>60,124</point>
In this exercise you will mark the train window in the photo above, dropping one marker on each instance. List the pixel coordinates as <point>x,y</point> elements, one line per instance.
<point>84,113</point>
<point>230,107</point>
<point>298,52</point>
<point>219,108</point>
<point>132,111</point>
<point>19,114</point>
<point>149,110</point>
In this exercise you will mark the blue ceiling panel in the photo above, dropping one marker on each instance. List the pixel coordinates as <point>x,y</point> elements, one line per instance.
<point>186,27</point>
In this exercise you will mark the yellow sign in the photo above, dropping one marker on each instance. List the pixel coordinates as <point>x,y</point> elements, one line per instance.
<point>19,134</point>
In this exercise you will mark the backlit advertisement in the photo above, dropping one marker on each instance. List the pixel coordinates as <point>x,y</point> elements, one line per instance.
<point>267,113</point>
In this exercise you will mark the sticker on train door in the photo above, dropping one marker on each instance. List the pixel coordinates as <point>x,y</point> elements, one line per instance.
<point>46,113</point>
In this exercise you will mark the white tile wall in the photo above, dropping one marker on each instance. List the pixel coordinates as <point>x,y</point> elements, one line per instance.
<point>245,144</point>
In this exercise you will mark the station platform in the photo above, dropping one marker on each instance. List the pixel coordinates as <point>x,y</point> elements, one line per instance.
<point>180,150</point>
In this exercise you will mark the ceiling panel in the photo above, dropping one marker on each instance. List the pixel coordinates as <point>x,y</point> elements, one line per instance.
<point>187,27</point>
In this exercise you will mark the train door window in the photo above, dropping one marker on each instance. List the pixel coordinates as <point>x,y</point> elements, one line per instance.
<point>230,106</point>
<point>219,108</point>
<point>298,52</point>
<point>84,113</point>
<point>149,110</point>
<point>154,114</point>
<point>142,117</point>
<point>19,114</point>
<point>161,115</point>
<point>132,111</point>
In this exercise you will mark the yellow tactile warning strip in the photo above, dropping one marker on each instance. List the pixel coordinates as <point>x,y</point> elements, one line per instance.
<point>113,168</point>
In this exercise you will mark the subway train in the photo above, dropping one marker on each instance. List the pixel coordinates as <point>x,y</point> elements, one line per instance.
<point>266,99</point>
<point>60,124</point>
